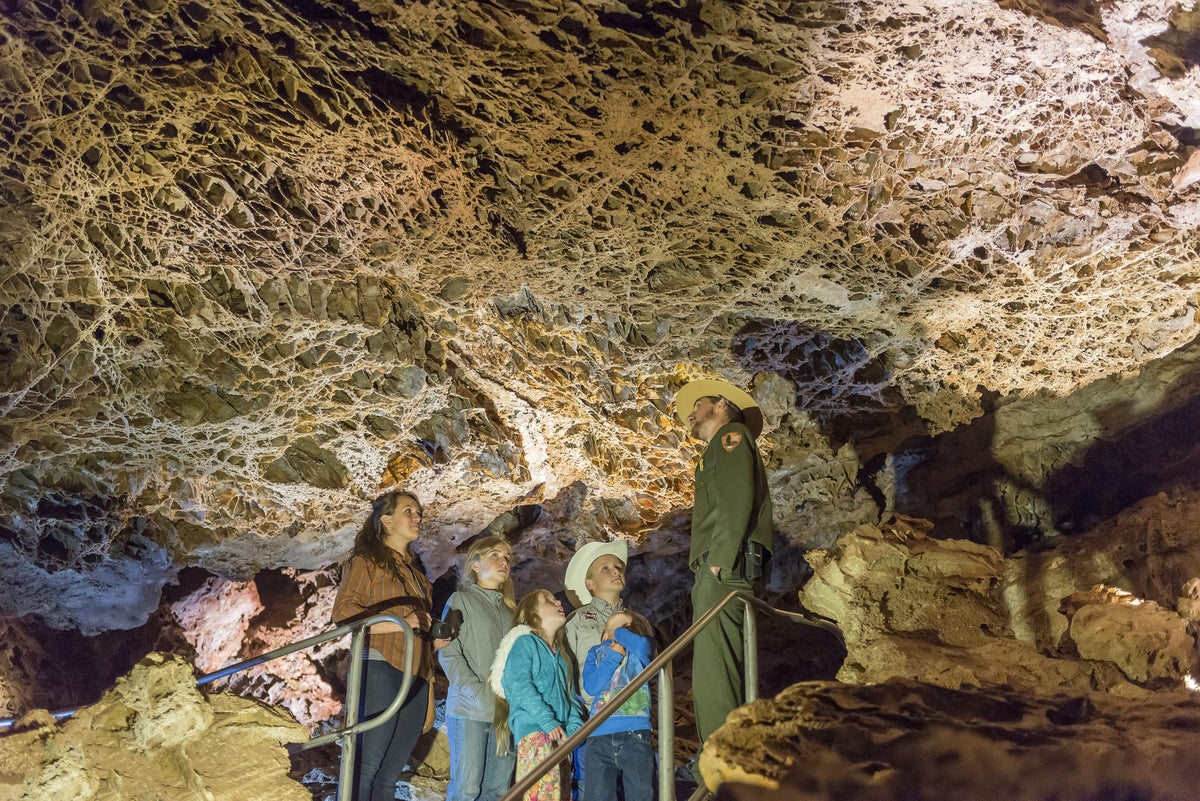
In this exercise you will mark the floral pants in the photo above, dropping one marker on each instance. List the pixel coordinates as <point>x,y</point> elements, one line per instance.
<point>531,752</point>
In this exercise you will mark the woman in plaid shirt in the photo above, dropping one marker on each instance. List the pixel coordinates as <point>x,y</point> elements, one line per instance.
<point>384,574</point>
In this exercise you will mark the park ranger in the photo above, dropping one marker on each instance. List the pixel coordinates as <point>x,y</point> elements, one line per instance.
<point>731,537</point>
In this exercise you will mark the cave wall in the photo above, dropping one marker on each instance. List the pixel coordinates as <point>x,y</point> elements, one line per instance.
<point>260,259</point>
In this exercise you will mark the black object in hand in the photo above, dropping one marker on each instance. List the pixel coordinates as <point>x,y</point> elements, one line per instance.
<point>446,629</point>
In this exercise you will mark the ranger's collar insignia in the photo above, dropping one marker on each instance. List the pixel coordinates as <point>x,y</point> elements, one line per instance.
<point>731,440</point>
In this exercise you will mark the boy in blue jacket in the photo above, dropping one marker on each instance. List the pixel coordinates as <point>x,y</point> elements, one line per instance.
<point>612,645</point>
<point>621,747</point>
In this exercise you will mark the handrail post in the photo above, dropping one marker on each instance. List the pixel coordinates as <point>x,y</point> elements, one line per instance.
<point>750,648</point>
<point>666,733</point>
<point>353,702</point>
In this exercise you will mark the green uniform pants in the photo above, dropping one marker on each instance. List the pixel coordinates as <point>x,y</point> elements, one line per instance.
<point>718,654</point>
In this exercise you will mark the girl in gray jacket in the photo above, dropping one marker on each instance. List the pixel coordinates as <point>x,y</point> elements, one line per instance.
<point>485,600</point>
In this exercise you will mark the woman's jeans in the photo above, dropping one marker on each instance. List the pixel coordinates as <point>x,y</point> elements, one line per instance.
<point>384,751</point>
<point>476,773</point>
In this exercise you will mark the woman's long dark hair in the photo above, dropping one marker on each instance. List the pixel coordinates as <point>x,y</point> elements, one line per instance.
<point>370,540</point>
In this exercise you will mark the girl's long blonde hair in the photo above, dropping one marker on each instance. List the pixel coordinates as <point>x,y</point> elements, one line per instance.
<point>526,614</point>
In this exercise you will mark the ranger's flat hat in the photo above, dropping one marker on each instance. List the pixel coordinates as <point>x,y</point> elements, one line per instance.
<point>685,401</point>
<point>581,562</point>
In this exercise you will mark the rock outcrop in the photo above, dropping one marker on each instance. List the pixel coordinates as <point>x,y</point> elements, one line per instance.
<point>156,735</point>
<point>948,691</point>
<point>956,614</point>
<point>905,739</point>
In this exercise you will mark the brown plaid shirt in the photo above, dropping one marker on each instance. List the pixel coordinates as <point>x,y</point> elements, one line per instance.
<point>368,588</point>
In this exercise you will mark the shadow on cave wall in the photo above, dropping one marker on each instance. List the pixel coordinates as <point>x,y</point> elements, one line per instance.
<point>952,478</point>
<point>1176,49</point>
<point>1082,15</point>
<point>1153,456</point>
<point>844,387</point>
<point>72,670</point>
<point>949,478</point>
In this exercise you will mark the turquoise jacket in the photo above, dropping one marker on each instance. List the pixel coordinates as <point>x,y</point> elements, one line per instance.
<point>536,683</point>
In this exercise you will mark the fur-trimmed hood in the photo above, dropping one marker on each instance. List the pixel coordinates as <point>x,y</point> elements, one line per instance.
<point>497,672</point>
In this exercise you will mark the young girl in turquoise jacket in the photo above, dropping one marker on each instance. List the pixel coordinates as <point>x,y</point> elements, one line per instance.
<point>535,704</point>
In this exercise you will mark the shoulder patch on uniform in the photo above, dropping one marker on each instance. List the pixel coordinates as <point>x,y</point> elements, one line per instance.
<point>731,440</point>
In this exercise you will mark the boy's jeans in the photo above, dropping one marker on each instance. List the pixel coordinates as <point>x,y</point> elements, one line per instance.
<point>627,754</point>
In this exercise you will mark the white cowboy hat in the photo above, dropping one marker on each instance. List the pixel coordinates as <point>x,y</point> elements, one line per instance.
<point>685,401</point>
<point>581,562</point>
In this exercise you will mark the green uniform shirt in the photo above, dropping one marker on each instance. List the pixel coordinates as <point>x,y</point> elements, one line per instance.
<point>733,503</point>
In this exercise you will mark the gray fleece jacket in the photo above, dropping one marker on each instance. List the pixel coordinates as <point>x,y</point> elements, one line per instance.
<point>468,658</point>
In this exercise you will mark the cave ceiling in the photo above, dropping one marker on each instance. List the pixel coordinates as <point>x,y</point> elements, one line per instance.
<point>260,259</point>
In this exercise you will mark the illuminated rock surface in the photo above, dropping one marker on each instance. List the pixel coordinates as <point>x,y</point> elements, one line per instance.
<point>904,739</point>
<point>954,613</point>
<point>942,697</point>
<point>259,260</point>
<point>253,255</point>
<point>155,735</point>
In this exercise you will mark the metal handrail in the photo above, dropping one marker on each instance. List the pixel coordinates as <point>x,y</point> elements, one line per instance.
<point>358,632</point>
<point>666,707</point>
